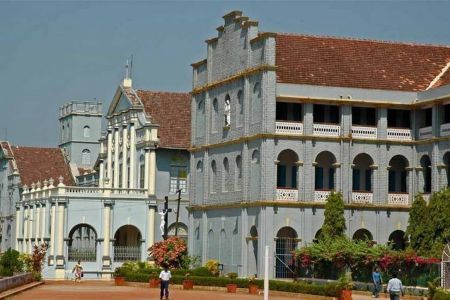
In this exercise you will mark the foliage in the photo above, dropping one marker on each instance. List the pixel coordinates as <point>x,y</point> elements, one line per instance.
<point>232,275</point>
<point>26,261</point>
<point>170,252</point>
<point>213,266</point>
<point>202,271</point>
<point>345,282</point>
<point>10,263</point>
<point>37,259</point>
<point>190,262</point>
<point>334,223</point>
<point>433,287</point>
<point>440,294</point>
<point>416,226</point>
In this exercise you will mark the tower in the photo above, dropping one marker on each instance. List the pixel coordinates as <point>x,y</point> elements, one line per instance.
<point>79,132</point>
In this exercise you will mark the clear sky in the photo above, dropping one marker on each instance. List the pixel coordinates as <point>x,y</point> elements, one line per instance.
<point>54,52</point>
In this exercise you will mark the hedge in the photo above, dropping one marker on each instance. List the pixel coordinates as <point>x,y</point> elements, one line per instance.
<point>441,295</point>
<point>331,289</point>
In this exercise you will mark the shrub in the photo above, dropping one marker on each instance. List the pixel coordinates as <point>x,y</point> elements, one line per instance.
<point>202,271</point>
<point>171,252</point>
<point>10,263</point>
<point>232,275</point>
<point>440,294</point>
<point>213,266</point>
<point>37,260</point>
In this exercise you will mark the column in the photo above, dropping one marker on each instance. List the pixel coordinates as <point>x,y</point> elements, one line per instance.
<point>37,225</point>
<point>60,261</point>
<point>382,123</point>
<point>101,174</point>
<point>19,221</point>
<point>106,258</point>
<point>132,155</point>
<point>109,156</point>
<point>30,229</point>
<point>43,222</point>
<point>152,171</point>
<point>52,234</point>
<point>151,225</point>
<point>116,158</point>
<point>25,230</point>
<point>146,169</point>
<point>124,156</point>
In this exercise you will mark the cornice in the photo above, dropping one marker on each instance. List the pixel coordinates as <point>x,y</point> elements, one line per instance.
<point>263,36</point>
<point>241,74</point>
<point>199,63</point>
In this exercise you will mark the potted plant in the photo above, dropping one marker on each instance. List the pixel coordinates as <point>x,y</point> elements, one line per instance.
<point>154,280</point>
<point>346,285</point>
<point>188,284</point>
<point>252,287</point>
<point>232,287</point>
<point>119,278</point>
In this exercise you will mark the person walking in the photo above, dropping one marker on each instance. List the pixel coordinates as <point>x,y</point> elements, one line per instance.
<point>377,281</point>
<point>165,276</point>
<point>78,271</point>
<point>395,287</point>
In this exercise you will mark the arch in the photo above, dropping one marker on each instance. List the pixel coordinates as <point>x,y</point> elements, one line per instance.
<point>82,243</point>
<point>253,251</point>
<point>227,110</point>
<point>211,245</point>
<point>215,113</point>
<point>318,236</point>
<point>362,173</point>
<point>238,173</point>
<point>86,131</point>
<point>127,243</point>
<point>446,160</point>
<point>86,157</point>
<point>398,175</point>
<point>362,235</point>
<point>397,240</point>
<point>256,103</point>
<point>226,175</point>
<point>182,230</point>
<point>199,166</point>
<point>213,177</point>
<point>425,164</point>
<point>286,243</point>
<point>222,245</point>
<point>287,169</point>
<point>255,156</point>
<point>324,171</point>
<point>240,109</point>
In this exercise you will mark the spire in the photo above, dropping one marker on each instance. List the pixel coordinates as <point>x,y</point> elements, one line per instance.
<point>127,80</point>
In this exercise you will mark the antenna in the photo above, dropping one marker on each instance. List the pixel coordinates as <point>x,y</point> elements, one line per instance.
<point>131,66</point>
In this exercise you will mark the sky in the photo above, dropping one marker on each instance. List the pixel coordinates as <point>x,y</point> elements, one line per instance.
<point>59,51</point>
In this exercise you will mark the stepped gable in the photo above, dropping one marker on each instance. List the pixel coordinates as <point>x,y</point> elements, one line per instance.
<point>368,64</point>
<point>37,164</point>
<point>172,112</point>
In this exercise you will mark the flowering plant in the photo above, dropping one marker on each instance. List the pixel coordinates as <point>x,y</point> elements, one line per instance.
<point>251,279</point>
<point>170,252</point>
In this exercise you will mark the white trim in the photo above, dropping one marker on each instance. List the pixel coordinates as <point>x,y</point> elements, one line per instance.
<point>439,76</point>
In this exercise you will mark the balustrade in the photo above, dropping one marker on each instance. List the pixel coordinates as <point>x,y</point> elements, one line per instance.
<point>399,134</point>
<point>426,132</point>
<point>445,129</point>
<point>326,130</point>
<point>287,194</point>
<point>364,132</point>
<point>127,253</point>
<point>362,197</point>
<point>398,198</point>
<point>292,128</point>
<point>321,196</point>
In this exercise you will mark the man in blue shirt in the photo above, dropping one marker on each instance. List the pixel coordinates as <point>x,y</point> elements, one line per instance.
<point>377,281</point>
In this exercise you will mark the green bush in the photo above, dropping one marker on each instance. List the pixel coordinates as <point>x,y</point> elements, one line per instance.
<point>201,271</point>
<point>10,263</point>
<point>441,295</point>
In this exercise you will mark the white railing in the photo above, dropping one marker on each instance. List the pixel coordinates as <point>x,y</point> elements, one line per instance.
<point>287,194</point>
<point>445,129</point>
<point>399,134</point>
<point>398,198</point>
<point>321,196</point>
<point>426,132</point>
<point>326,130</point>
<point>362,197</point>
<point>127,253</point>
<point>364,132</point>
<point>294,128</point>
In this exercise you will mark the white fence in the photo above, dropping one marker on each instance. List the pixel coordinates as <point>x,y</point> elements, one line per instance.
<point>398,198</point>
<point>364,132</point>
<point>291,128</point>
<point>326,130</point>
<point>399,134</point>
<point>287,194</point>
<point>362,197</point>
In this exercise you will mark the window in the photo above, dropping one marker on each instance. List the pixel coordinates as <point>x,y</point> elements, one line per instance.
<point>215,114</point>
<point>86,157</point>
<point>226,175</point>
<point>87,131</point>
<point>240,109</point>
<point>213,177</point>
<point>238,175</point>
<point>141,172</point>
<point>178,179</point>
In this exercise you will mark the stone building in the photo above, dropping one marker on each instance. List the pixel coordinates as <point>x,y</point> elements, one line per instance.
<point>142,159</point>
<point>308,115</point>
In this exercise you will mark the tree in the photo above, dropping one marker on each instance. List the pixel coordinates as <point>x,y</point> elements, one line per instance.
<point>438,223</point>
<point>417,229</point>
<point>334,223</point>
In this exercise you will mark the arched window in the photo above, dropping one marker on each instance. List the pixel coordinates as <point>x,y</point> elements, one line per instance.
<point>324,171</point>
<point>287,169</point>
<point>86,157</point>
<point>227,111</point>
<point>127,244</point>
<point>238,173</point>
<point>425,164</point>
<point>200,120</point>
<point>226,175</point>
<point>362,173</point>
<point>213,177</point>
<point>240,109</point>
<point>256,103</point>
<point>142,172</point>
<point>82,244</point>
<point>362,235</point>
<point>199,182</point>
<point>215,113</point>
<point>86,131</point>
<point>398,175</point>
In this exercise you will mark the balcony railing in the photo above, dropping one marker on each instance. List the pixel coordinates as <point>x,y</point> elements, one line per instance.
<point>362,197</point>
<point>445,129</point>
<point>287,194</point>
<point>426,133</point>
<point>127,253</point>
<point>399,134</point>
<point>326,130</point>
<point>398,198</point>
<point>83,254</point>
<point>364,132</point>
<point>321,196</point>
<point>291,128</point>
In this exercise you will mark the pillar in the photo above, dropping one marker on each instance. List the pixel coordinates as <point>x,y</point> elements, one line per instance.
<point>152,173</point>
<point>25,230</point>
<point>43,222</point>
<point>60,261</point>
<point>37,225</point>
<point>151,225</point>
<point>124,156</point>
<point>147,168</point>
<point>30,229</point>
<point>116,158</point>
<point>101,174</point>
<point>132,155</point>
<point>52,234</point>
<point>109,157</point>
<point>106,257</point>
<point>19,221</point>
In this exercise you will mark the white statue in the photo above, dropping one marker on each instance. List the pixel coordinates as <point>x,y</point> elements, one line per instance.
<point>162,213</point>
<point>227,111</point>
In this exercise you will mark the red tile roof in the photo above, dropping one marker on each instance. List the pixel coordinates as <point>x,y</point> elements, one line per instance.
<point>331,61</point>
<point>172,112</point>
<point>37,164</point>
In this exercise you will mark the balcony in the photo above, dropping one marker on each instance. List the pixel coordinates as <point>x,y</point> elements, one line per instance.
<point>362,197</point>
<point>445,129</point>
<point>289,128</point>
<point>326,130</point>
<point>321,195</point>
<point>286,194</point>
<point>399,134</point>
<point>425,133</point>
<point>398,198</point>
<point>364,132</point>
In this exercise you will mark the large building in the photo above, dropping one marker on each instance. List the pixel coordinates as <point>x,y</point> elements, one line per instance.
<point>142,159</point>
<point>279,121</point>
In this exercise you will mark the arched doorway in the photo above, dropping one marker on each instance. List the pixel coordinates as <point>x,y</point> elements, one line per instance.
<point>362,173</point>
<point>397,240</point>
<point>286,243</point>
<point>425,164</point>
<point>82,243</point>
<point>362,235</point>
<point>287,170</point>
<point>127,244</point>
<point>324,171</point>
<point>398,176</point>
<point>252,267</point>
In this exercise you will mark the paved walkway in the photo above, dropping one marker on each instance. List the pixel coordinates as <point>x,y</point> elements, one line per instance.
<point>106,290</point>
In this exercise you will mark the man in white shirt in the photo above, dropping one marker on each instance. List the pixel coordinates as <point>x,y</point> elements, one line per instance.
<point>395,287</point>
<point>165,277</point>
